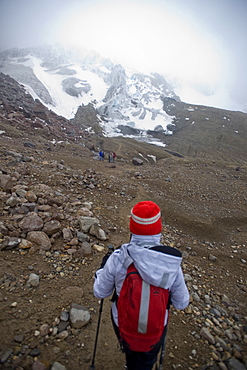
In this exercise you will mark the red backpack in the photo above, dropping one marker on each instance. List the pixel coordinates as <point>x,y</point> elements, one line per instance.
<point>141,312</point>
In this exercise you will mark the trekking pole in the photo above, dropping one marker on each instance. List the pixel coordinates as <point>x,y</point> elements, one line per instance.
<point>92,366</point>
<point>97,333</point>
<point>162,354</point>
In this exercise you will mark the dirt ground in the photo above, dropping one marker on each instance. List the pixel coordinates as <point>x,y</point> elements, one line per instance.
<point>204,212</point>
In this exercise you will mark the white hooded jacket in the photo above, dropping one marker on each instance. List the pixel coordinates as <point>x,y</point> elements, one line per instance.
<point>156,268</point>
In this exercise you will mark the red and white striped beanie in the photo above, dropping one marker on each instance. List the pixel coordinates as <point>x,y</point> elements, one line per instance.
<point>145,219</point>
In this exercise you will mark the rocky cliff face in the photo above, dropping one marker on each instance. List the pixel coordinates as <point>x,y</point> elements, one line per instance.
<point>87,119</point>
<point>22,110</point>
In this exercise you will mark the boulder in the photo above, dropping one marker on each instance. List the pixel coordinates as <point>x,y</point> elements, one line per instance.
<point>40,239</point>
<point>137,161</point>
<point>52,227</point>
<point>7,182</point>
<point>79,316</point>
<point>85,223</point>
<point>95,230</point>
<point>31,222</point>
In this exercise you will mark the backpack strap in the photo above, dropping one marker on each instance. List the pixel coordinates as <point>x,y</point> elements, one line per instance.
<point>167,250</point>
<point>128,260</point>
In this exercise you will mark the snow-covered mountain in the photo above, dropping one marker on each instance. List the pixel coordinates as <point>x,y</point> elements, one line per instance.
<point>127,102</point>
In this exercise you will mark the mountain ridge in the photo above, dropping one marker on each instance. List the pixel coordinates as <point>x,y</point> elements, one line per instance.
<point>199,132</point>
<point>64,80</point>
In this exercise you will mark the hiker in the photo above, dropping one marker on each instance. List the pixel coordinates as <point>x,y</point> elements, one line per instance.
<point>160,268</point>
<point>113,156</point>
<point>110,157</point>
<point>101,155</point>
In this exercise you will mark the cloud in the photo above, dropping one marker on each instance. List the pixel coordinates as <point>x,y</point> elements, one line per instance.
<point>198,46</point>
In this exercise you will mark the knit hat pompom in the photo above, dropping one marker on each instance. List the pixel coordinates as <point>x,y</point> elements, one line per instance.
<point>145,219</point>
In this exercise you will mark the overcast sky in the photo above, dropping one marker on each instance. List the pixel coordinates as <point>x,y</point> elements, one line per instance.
<point>199,45</point>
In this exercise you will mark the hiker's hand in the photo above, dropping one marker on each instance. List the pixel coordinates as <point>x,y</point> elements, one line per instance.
<point>104,259</point>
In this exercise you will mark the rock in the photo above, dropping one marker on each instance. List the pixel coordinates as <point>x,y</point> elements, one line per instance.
<point>51,227</point>
<point>13,201</point>
<point>40,239</point>
<point>67,234</point>
<point>37,365</point>
<point>137,161</point>
<point>188,277</point>
<point>33,280</point>
<point>222,343</point>
<point>5,355</point>
<point>71,251</point>
<point>207,299</point>
<point>82,237</point>
<point>10,243</point>
<point>44,330</point>
<point>195,297</point>
<point>95,230</point>
<point>215,312</point>
<point>86,249</point>
<point>44,208</point>
<point>35,352</point>
<point>19,338</point>
<point>31,196</point>
<point>85,223</point>
<point>88,205</point>
<point>73,241</point>
<point>31,222</point>
<point>225,299</point>
<point>212,258</point>
<point>3,229</point>
<point>62,326</point>
<point>27,207</point>
<point>57,366</point>
<point>20,190</point>
<point>84,212</point>
<point>79,316</point>
<point>25,244</point>
<point>29,145</point>
<point>234,364</point>
<point>51,201</point>
<point>98,248</point>
<point>64,315</point>
<point>7,182</point>
<point>205,333</point>
<point>63,334</point>
<point>82,252</point>
<point>222,366</point>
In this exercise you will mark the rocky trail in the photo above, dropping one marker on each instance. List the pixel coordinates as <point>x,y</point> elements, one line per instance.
<point>49,254</point>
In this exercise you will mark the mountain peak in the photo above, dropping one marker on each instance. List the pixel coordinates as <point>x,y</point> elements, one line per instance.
<point>66,79</point>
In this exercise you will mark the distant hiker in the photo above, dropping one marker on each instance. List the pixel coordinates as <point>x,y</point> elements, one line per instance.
<point>113,156</point>
<point>147,277</point>
<point>101,155</point>
<point>110,157</point>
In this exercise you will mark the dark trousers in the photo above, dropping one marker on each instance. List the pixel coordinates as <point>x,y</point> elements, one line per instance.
<point>139,360</point>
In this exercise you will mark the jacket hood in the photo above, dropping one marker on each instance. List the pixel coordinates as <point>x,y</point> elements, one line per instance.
<point>156,268</point>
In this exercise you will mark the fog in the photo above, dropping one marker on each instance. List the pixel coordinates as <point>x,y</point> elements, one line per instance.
<point>200,46</point>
